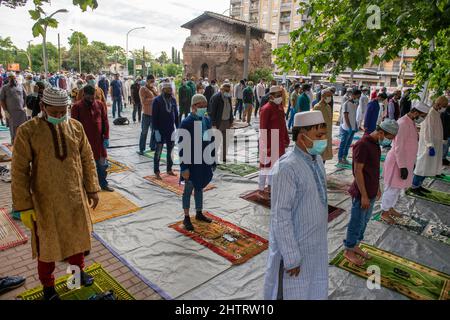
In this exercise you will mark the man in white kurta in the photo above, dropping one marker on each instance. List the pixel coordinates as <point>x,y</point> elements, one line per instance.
<point>297,266</point>
<point>362,107</point>
<point>429,157</point>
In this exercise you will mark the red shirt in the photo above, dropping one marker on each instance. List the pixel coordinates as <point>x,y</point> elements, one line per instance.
<point>95,123</point>
<point>273,118</point>
<point>368,152</point>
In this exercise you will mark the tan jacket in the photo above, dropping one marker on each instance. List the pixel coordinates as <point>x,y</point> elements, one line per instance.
<point>147,96</point>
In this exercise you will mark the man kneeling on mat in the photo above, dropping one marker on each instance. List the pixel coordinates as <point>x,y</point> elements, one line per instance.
<point>195,175</point>
<point>366,189</point>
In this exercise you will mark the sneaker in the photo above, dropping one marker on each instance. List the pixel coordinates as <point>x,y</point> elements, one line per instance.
<point>10,283</point>
<point>86,279</point>
<point>141,153</point>
<point>423,190</point>
<point>188,224</point>
<point>50,294</point>
<point>108,189</point>
<point>5,175</point>
<point>201,217</point>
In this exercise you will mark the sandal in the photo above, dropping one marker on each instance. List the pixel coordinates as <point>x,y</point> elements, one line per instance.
<point>389,220</point>
<point>354,259</point>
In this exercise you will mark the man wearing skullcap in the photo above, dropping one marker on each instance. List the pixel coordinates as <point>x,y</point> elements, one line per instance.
<point>104,85</point>
<point>221,113</point>
<point>99,95</point>
<point>429,159</point>
<point>327,112</point>
<point>401,159</point>
<point>164,122</point>
<point>12,101</point>
<point>366,189</point>
<point>272,127</point>
<point>54,182</point>
<point>196,171</point>
<point>298,251</point>
<point>93,116</point>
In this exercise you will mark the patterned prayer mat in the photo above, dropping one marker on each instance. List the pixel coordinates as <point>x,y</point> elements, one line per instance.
<point>445,178</point>
<point>10,233</point>
<point>116,166</point>
<point>434,196</point>
<point>253,197</point>
<point>240,169</point>
<point>224,238</point>
<point>112,205</point>
<point>175,157</point>
<point>409,278</point>
<point>172,183</point>
<point>339,183</point>
<point>103,282</point>
<point>425,228</point>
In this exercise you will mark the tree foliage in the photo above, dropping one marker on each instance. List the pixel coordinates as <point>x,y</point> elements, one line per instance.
<point>73,39</point>
<point>339,35</point>
<point>263,73</point>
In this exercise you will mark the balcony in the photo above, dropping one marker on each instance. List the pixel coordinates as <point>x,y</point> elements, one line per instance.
<point>285,6</point>
<point>283,32</point>
<point>235,11</point>
<point>254,8</point>
<point>285,18</point>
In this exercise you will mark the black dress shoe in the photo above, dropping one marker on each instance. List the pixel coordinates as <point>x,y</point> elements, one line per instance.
<point>423,190</point>
<point>108,189</point>
<point>418,192</point>
<point>86,279</point>
<point>50,294</point>
<point>445,162</point>
<point>188,224</point>
<point>10,283</point>
<point>201,217</point>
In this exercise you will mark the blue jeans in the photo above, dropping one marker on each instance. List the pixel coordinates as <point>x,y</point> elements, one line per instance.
<point>157,159</point>
<point>102,165</point>
<point>418,181</point>
<point>358,223</point>
<point>346,142</point>
<point>238,108</point>
<point>117,105</point>
<point>198,196</point>
<point>146,126</point>
<point>291,118</point>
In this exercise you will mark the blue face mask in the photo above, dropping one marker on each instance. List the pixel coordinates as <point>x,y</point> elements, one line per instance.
<point>201,112</point>
<point>319,147</point>
<point>385,142</point>
<point>56,121</point>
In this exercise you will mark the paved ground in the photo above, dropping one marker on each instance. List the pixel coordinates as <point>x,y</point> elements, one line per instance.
<point>17,262</point>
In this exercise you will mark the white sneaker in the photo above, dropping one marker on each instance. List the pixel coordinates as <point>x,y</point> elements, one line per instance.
<point>5,175</point>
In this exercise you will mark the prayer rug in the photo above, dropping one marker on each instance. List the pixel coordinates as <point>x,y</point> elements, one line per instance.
<point>253,197</point>
<point>409,278</point>
<point>175,157</point>
<point>435,196</point>
<point>116,166</point>
<point>239,125</point>
<point>445,178</point>
<point>172,183</point>
<point>112,205</point>
<point>103,282</point>
<point>425,228</point>
<point>240,169</point>
<point>4,128</point>
<point>10,233</point>
<point>339,184</point>
<point>350,167</point>
<point>224,238</point>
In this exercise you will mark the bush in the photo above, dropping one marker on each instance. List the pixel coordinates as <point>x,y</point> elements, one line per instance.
<point>263,73</point>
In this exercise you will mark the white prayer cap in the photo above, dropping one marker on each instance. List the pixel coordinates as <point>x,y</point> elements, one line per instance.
<point>11,74</point>
<point>275,89</point>
<point>422,107</point>
<point>308,118</point>
<point>55,97</point>
<point>226,84</point>
<point>165,85</point>
<point>198,98</point>
<point>325,91</point>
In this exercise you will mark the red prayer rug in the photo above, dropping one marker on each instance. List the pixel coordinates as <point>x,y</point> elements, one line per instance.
<point>224,238</point>
<point>10,233</point>
<point>333,212</point>
<point>172,183</point>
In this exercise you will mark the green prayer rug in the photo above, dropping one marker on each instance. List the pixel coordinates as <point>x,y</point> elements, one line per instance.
<point>240,169</point>
<point>151,154</point>
<point>407,277</point>
<point>350,167</point>
<point>103,282</point>
<point>434,196</point>
<point>445,178</point>
<point>417,225</point>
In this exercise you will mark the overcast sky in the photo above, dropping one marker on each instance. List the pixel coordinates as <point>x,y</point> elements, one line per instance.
<point>112,19</point>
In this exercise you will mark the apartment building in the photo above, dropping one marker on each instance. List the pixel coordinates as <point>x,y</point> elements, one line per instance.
<point>281,17</point>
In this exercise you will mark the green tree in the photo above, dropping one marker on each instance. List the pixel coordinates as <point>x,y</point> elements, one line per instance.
<point>344,33</point>
<point>262,73</point>
<point>36,57</point>
<point>172,70</point>
<point>7,51</point>
<point>163,58</point>
<point>73,39</point>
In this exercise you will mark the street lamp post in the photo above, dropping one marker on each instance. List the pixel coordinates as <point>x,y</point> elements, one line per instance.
<point>44,40</point>
<point>79,50</point>
<point>128,33</point>
<point>29,55</point>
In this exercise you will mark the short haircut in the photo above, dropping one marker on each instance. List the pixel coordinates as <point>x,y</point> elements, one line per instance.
<point>89,90</point>
<point>297,86</point>
<point>306,87</point>
<point>297,130</point>
<point>382,95</point>
<point>150,77</point>
<point>356,92</point>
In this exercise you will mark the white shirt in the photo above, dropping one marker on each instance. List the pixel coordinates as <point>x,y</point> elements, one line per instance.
<point>351,108</point>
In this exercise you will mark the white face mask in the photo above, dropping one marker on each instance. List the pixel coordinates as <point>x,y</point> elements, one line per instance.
<point>278,100</point>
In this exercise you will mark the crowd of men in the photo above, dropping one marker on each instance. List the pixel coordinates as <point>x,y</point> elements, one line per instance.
<point>60,161</point>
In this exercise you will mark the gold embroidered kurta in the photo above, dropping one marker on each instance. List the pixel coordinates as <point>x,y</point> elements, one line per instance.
<point>52,170</point>
<point>323,107</point>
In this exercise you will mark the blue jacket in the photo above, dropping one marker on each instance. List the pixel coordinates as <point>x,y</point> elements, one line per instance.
<point>370,121</point>
<point>163,121</point>
<point>200,174</point>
